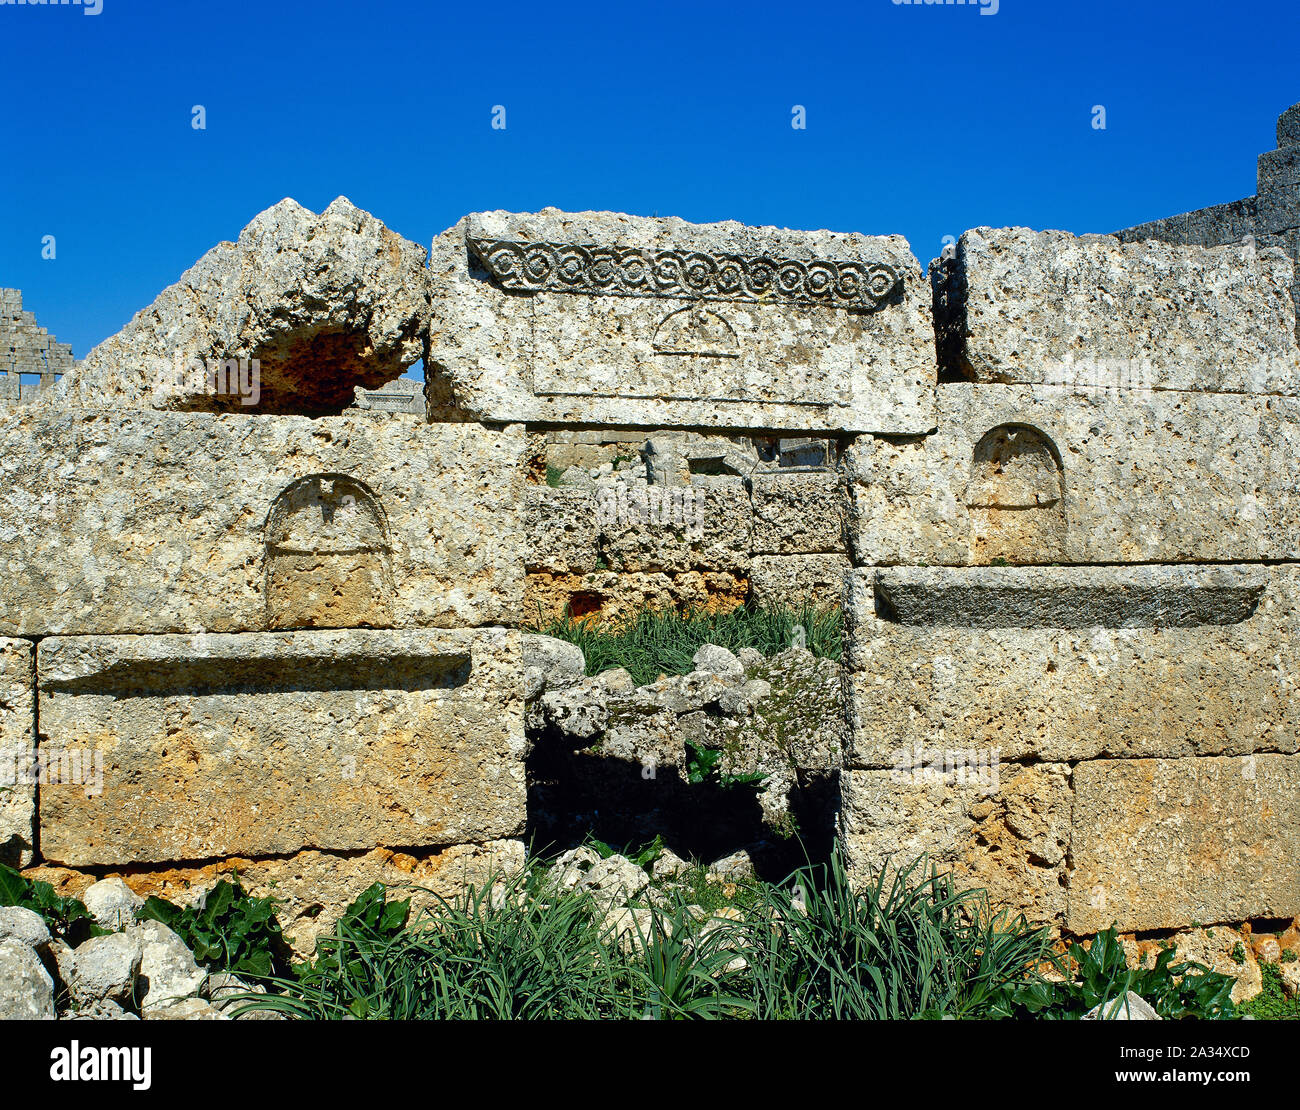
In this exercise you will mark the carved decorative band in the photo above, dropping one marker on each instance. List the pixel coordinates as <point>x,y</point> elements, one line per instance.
<point>634,272</point>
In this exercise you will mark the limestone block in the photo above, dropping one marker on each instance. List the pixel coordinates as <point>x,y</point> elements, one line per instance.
<point>613,596</point>
<point>17,744</point>
<point>188,522</point>
<point>906,500</point>
<point>1004,828</point>
<point>1073,663</point>
<point>1039,474</point>
<point>798,512</point>
<point>1160,843</point>
<point>267,743</point>
<point>1279,184</point>
<point>324,303</point>
<point>602,318</point>
<point>1051,307</point>
<point>705,525</point>
<point>789,580</point>
<point>562,534</point>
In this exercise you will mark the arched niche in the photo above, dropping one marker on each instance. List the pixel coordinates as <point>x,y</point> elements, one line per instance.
<point>1016,497</point>
<point>328,556</point>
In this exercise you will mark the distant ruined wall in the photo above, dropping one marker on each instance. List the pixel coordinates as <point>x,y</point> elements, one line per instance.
<point>1053,485</point>
<point>1271,217</point>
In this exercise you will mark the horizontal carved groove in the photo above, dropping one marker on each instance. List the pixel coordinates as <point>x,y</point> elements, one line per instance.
<point>1069,597</point>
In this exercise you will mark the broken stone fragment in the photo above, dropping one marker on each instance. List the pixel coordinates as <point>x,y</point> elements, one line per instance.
<point>168,967</point>
<point>23,925</point>
<point>550,663</point>
<point>26,989</point>
<point>1129,1008</point>
<point>112,903</point>
<point>105,969</point>
<point>323,303</point>
<point>712,659</point>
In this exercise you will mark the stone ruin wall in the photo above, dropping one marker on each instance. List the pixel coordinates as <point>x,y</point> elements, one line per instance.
<point>1054,483</point>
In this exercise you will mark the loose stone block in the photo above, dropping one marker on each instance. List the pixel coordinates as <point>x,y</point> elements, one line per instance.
<point>1039,474</point>
<point>1161,843</point>
<point>784,580</point>
<point>267,743</point>
<point>601,318</point>
<point>798,512</point>
<point>1073,663</point>
<point>1004,828</point>
<point>177,522</point>
<point>1050,307</point>
<point>17,748</point>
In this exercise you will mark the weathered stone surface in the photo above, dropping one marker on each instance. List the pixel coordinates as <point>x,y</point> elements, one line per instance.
<point>798,512</point>
<point>168,971</point>
<point>1005,829</point>
<point>26,989</point>
<point>705,526</point>
<point>266,743</point>
<point>732,327</point>
<point>1082,691</point>
<point>550,664</point>
<point>186,522</point>
<point>25,926</point>
<point>782,717</point>
<point>1070,597</point>
<point>1038,474</point>
<point>712,659</point>
<point>325,303</point>
<point>104,969</point>
<point>612,596</point>
<point>1051,307</point>
<point>1130,1007</point>
<point>1159,843</point>
<point>561,529</point>
<point>789,580</point>
<point>112,903</point>
<point>17,745</point>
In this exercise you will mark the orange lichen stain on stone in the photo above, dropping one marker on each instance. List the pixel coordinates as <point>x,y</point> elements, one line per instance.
<point>611,596</point>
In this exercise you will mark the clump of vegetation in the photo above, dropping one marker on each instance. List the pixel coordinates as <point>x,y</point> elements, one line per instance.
<point>230,931</point>
<point>663,641</point>
<point>1272,1001</point>
<point>704,765</point>
<point>66,918</point>
<point>1100,973</point>
<point>909,946</point>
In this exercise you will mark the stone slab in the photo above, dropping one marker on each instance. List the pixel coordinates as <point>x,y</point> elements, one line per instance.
<point>267,743</point>
<point>17,746</point>
<point>177,522</point>
<point>602,318</point>
<point>783,580</point>
<point>1139,477</point>
<point>1007,832</point>
<point>1157,843</point>
<point>1076,692</point>
<point>798,512</point>
<point>1051,307</point>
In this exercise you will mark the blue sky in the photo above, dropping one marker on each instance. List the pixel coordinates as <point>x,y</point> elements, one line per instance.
<point>921,120</point>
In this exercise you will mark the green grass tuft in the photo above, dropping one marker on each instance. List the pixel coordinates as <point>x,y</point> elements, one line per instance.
<point>656,642</point>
